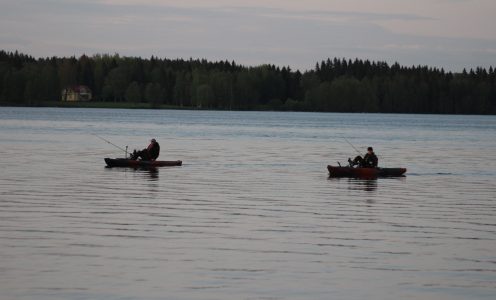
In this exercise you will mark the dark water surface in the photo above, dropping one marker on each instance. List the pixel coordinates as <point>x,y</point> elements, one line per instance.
<point>251,214</point>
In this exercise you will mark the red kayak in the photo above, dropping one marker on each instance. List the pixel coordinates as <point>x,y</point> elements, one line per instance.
<point>365,172</point>
<point>129,163</point>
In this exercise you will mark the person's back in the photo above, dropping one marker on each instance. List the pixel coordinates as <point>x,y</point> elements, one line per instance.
<point>154,150</point>
<point>149,153</point>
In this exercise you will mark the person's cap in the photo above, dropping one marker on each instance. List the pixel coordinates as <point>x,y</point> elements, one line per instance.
<point>153,141</point>
<point>370,149</point>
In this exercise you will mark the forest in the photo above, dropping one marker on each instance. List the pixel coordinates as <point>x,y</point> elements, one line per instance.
<point>334,85</point>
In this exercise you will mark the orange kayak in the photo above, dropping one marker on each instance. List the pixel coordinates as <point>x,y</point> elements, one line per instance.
<point>365,172</point>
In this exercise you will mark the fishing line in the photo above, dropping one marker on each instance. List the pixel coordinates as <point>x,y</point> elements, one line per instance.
<point>352,146</point>
<point>109,142</point>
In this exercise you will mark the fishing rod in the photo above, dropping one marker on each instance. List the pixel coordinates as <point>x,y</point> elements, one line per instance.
<point>109,142</point>
<point>352,146</point>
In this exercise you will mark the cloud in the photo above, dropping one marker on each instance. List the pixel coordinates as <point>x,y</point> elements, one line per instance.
<point>247,34</point>
<point>326,15</point>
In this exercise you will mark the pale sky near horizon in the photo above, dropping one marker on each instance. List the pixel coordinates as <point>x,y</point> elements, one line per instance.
<point>453,34</point>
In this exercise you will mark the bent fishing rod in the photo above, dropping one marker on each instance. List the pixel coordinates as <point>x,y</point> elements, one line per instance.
<point>109,142</point>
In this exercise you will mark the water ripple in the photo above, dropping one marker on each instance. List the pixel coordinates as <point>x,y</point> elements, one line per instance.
<point>251,214</point>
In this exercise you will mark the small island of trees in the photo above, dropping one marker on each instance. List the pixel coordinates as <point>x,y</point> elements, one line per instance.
<point>334,85</point>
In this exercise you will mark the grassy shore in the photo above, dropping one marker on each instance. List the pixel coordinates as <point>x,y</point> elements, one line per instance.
<point>129,105</point>
<point>92,104</point>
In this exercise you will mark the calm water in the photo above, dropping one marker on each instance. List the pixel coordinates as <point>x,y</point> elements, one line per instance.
<point>251,214</point>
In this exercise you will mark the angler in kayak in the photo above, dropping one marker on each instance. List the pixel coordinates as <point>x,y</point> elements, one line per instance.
<point>370,160</point>
<point>150,153</point>
<point>366,167</point>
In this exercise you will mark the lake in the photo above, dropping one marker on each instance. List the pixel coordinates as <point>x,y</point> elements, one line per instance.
<point>251,214</point>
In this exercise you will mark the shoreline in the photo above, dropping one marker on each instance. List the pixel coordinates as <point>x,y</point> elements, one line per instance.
<point>127,105</point>
<point>96,104</point>
<point>142,105</point>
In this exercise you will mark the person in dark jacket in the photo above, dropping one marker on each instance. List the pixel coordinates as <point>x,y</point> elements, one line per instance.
<point>150,153</point>
<point>370,160</point>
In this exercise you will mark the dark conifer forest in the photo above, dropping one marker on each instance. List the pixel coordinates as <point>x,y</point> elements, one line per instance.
<point>334,85</point>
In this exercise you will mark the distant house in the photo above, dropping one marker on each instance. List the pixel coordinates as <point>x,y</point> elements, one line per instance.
<point>76,93</point>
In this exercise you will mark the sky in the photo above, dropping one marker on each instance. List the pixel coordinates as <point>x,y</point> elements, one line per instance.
<point>449,34</point>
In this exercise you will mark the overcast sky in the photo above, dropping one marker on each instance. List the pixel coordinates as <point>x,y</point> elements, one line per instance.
<point>445,33</point>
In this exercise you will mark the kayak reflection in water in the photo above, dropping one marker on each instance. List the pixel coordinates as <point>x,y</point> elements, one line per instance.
<point>370,160</point>
<point>150,153</point>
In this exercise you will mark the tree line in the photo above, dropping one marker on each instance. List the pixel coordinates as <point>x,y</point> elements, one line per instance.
<point>334,85</point>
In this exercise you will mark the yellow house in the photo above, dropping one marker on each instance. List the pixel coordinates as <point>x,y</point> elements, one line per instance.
<point>76,93</point>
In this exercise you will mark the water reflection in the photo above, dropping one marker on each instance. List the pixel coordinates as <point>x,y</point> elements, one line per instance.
<point>368,185</point>
<point>357,184</point>
<point>152,174</point>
